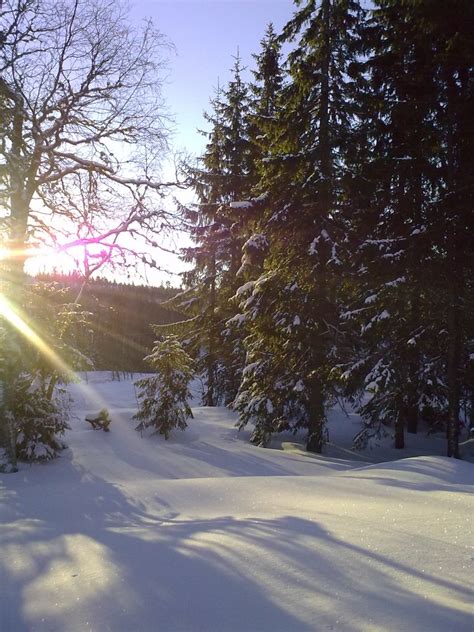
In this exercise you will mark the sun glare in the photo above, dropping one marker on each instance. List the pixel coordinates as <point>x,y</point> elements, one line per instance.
<point>62,260</point>
<point>11,315</point>
<point>51,259</point>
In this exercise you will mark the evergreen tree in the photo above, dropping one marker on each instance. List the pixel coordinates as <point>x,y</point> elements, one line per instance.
<point>163,398</point>
<point>199,300</point>
<point>449,31</point>
<point>392,223</point>
<point>221,180</point>
<point>35,374</point>
<point>401,265</point>
<point>302,173</point>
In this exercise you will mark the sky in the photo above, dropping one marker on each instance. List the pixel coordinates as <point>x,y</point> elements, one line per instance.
<point>206,35</point>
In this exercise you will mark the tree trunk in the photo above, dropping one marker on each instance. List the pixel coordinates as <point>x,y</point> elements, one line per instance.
<point>316,422</point>
<point>414,359</point>
<point>471,412</point>
<point>400,431</point>
<point>209,397</point>
<point>454,275</point>
<point>12,274</point>
<point>7,433</point>
<point>454,358</point>
<point>412,417</point>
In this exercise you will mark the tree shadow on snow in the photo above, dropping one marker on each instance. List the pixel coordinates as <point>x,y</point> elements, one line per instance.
<point>87,555</point>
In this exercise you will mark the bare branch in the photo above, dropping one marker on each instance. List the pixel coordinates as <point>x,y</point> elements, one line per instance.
<point>86,89</point>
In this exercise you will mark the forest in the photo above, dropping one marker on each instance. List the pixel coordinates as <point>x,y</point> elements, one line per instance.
<point>332,253</point>
<point>114,331</point>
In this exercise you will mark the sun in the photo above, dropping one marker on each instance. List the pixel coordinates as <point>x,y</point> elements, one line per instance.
<point>12,313</point>
<point>24,253</point>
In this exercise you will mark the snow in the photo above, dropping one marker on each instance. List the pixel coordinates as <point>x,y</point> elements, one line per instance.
<point>396,282</point>
<point>258,241</point>
<point>245,288</point>
<point>238,320</point>
<point>242,204</point>
<point>205,532</point>
<point>299,386</point>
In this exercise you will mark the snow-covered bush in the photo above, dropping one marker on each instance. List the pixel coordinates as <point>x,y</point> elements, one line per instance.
<point>34,402</point>
<point>100,420</point>
<point>40,421</point>
<point>163,397</point>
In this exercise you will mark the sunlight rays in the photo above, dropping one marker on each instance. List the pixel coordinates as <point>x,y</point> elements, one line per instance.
<point>11,314</point>
<point>24,253</point>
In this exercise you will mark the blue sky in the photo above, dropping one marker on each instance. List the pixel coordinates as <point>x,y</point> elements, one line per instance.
<point>206,34</point>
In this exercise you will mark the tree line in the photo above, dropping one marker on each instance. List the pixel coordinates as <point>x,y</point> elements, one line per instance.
<point>114,331</point>
<point>333,251</point>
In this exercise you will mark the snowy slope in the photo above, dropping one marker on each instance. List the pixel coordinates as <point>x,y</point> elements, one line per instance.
<point>205,532</point>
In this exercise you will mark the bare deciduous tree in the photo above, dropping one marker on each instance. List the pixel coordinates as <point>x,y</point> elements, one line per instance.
<point>82,130</point>
<point>80,94</point>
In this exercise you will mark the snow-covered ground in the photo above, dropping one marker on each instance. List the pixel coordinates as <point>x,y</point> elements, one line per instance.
<point>206,532</point>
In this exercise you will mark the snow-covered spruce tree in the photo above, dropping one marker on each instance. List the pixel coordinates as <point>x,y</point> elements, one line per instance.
<point>163,397</point>
<point>199,332</point>
<point>40,420</point>
<point>305,143</point>
<point>221,179</point>
<point>387,227</point>
<point>273,395</point>
<point>34,379</point>
<point>453,218</point>
<point>400,262</point>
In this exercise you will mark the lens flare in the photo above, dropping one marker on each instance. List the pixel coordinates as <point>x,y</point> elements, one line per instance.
<point>12,316</point>
<point>24,253</point>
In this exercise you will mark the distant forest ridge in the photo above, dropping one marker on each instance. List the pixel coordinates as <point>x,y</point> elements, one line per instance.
<point>116,332</point>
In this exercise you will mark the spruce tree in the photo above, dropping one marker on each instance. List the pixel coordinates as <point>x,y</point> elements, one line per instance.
<point>163,398</point>
<point>222,179</point>
<point>449,31</point>
<point>392,223</point>
<point>301,179</point>
<point>399,231</point>
<point>36,375</point>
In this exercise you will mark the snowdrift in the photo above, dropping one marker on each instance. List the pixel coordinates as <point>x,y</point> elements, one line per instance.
<point>205,532</point>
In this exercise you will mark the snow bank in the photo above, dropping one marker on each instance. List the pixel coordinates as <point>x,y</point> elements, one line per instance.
<point>206,532</point>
